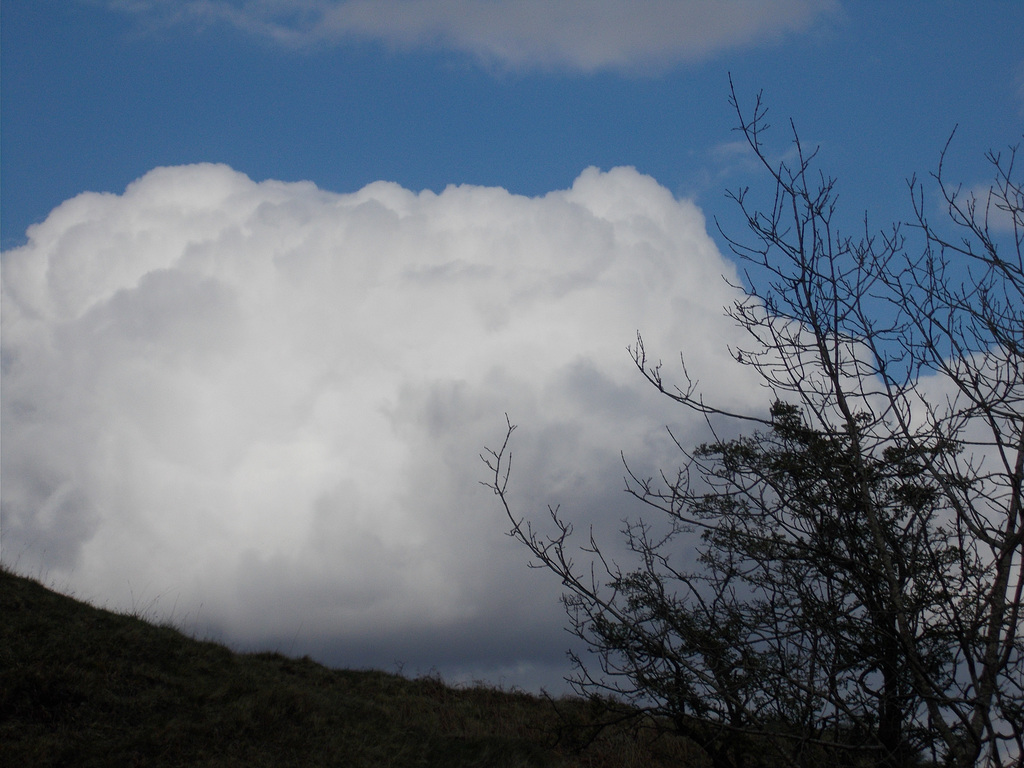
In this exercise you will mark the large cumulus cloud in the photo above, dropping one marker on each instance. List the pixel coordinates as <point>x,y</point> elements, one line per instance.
<point>261,404</point>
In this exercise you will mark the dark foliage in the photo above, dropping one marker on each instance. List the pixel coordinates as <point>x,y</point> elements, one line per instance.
<point>856,598</point>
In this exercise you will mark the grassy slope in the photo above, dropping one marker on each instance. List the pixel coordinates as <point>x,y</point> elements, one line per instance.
<point>80,686</point>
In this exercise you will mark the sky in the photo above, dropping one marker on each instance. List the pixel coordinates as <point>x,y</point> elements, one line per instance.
<point>274,272</point>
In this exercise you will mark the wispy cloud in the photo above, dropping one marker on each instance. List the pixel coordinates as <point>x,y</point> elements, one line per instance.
<point>579,35</point>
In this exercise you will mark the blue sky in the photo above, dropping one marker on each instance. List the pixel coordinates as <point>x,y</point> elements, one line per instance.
<point>274,273</point>
<point>94,96</point>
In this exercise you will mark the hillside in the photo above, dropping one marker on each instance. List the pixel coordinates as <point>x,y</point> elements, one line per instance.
<point>81,686</point>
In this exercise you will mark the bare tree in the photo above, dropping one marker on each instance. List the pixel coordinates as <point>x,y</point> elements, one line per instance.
<point>861,552</point>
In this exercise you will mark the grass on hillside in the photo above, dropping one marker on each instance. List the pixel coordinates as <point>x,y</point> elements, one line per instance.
<point>81,686</point>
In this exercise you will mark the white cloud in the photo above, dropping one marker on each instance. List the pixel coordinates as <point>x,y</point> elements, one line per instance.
<point>583,35</point>
<point>993,210</point>
<point>262,403</point>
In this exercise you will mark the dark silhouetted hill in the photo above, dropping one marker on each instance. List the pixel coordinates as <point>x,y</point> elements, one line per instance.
<point>81,686</point>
